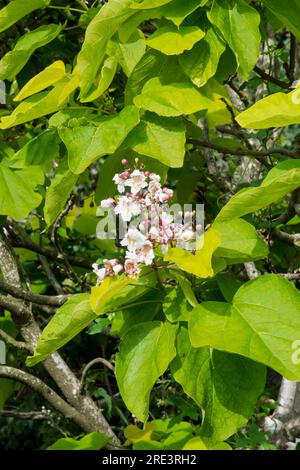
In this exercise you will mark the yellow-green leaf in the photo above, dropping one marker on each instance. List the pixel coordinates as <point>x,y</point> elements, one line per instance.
<point>199,264</point>
<point>49,76</point>
<point>108,289</point>
<point>173,99</point>
<point>14,61</point>
<point>40,104</point>
<point>276,110</point>
<point>171,40</point>
<point>17,9</point>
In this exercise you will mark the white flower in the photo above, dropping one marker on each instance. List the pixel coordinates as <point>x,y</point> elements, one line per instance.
<point>153,233</point>
<point>120,180</point>
<point>154,188</point>
<point>118,268</point>
<point>131,268</point>
<point>127,208</point>
<point>107,203</point>
<point>186,235</point>
<point>100,273</point>
<point>133,239</point>
<point>154,177</point>
<point>146,253</point>
<point>137,181</point>
<point>165,195</point>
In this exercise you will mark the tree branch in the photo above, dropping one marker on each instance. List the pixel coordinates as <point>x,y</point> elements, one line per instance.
<point>18,242</point>
<point>46,392</point>
<point>291,239</point>
<point>28,415</point>
<point>16,344</point>
<point>258,154</point>
<point>53,301</point>
<point>271,79</point>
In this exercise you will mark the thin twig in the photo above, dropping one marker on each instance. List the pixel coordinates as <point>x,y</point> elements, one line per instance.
<point>27,415</point>
<point>50,275</point>
<point>98,360</point>
<point>271,79</point>
<point>56,242</point>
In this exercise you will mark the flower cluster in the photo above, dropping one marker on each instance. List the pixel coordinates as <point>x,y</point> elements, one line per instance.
<point>143,205</point>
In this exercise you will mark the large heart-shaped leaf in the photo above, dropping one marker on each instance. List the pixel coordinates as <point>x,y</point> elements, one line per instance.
<point>203,374</point>
<point>145,353</point>
<point>262,323</point>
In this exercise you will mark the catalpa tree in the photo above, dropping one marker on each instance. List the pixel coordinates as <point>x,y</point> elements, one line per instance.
<point>123,322</point>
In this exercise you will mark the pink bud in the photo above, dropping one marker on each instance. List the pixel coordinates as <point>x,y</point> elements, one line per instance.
<point>125,162</point>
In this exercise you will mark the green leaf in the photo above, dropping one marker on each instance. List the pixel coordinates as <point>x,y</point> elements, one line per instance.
<point>102,295</point>
<point>238,22</point>
<point>87,143</point>
<point>173,99</point>
<point>252,199</point>
<point>39,151</point>
<point>58,192</point>
<point>18,194</point>
<point>102,27</point>
<point>176,307</point>
<point>240,242</point>
<point>145,4</point>
<point>17,9</point>
<point>14,61</point>
<point>69,320</point>
<point>288,12</point>
<point>280,171</point>
<point>201,63</point>
<point>147,308</point>
<point>171,40</point>
<point>228,285</point>
<point>92,441</point>
<point>277,110</point>
<point>62,117</point>
<point>204,375</point>
<point>145,353</point>
<point>155,136</point>
<point>106,77</point>
<point>262,323</point>
<point>41,104</point>
<point>199,264</point>
<point>152,64</point>
<point>177,11</point>
<point>49,76</point>
<point>130,52</point>
<point>186,289</point>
